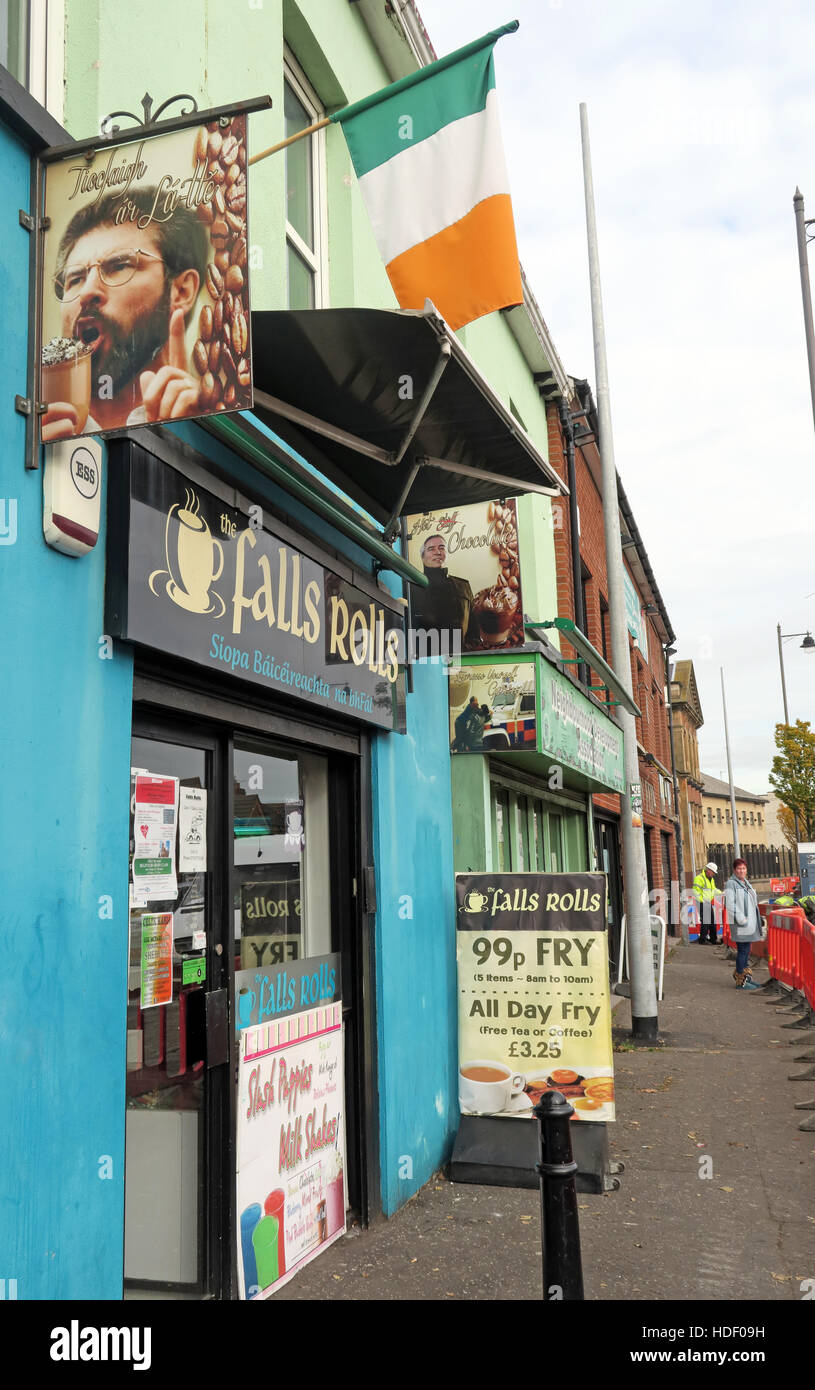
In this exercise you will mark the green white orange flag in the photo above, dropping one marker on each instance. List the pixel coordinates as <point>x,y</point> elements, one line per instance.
<point>428,155</point>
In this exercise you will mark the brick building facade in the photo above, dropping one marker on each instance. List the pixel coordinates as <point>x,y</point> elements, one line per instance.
<point>687,722</point>
<point>589,610</point>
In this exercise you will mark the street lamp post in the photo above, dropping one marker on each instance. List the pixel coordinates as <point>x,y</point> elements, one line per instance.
<point>808,645</point>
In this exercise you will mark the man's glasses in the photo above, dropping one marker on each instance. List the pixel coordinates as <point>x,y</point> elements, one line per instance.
<point>113,270</point>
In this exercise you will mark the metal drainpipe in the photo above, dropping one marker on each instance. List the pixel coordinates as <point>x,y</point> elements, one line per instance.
<point>680,856</point>
<point>577,576</point>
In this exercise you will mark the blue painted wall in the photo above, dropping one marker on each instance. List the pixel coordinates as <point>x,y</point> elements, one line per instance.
<point>416,962</point>
<point>64,768</point>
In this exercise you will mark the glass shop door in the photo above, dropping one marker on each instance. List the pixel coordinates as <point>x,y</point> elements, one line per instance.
<point>177,1031</point>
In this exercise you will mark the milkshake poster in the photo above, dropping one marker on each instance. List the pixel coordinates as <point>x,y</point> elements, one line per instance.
<point>145,294</point>
<point>291,1160</point>
<point>472,561</point>
<point>534,998</point>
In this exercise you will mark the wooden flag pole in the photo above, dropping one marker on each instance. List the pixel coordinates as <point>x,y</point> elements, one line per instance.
<point>281,145</point>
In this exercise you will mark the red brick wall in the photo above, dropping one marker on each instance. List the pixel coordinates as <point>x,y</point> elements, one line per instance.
<point>648,678</point>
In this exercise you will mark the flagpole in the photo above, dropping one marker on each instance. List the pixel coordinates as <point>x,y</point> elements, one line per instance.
<point>644,1015</point>
<point>281,144</point>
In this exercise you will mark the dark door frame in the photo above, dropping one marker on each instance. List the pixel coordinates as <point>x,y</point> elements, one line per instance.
<point>162,704</point>
<point>213,1278</point>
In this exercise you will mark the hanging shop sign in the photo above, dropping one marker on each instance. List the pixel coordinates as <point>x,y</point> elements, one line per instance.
<point>634,617</point>
<point>291,1127</point>
<point>192,577</point>
<point>524,705</point>
<point>533,986</point>
<point>471,557</point>
<point>145,293</point>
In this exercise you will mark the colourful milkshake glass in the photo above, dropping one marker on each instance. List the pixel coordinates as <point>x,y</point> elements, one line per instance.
<point>264,1241</point>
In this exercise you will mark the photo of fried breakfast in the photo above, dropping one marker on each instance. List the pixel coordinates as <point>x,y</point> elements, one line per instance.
<point>586,1094</point>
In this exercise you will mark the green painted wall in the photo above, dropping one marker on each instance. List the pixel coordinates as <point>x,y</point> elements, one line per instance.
<point>227,50</point>
<point>472,837</point>
<point>536,541</point>
<point>221,52</point>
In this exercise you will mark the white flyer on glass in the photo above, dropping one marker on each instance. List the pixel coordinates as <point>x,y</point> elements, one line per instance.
<point>192,830</point>
<point>154,831</point>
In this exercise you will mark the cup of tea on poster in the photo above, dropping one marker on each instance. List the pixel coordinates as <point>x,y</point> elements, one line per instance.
<point>145,293</point>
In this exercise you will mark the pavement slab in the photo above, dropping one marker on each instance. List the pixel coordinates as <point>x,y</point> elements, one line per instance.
<point>716,1202</point>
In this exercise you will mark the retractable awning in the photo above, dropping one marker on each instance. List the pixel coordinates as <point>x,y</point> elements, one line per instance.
<point>390,407</point>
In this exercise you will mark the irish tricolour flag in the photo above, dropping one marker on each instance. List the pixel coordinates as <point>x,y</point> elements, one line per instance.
<point>428,155</point>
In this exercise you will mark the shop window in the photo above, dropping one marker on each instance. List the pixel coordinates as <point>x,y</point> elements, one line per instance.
<point>282,901</point>
<point>556,858</point>
<point>501,829</point>
<point>521,842</point>
<point>14,21</point>
<point>304,194</point>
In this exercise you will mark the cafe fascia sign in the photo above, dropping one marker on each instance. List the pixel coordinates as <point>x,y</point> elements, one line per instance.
<point>145,280</point>
<point>193,577</point>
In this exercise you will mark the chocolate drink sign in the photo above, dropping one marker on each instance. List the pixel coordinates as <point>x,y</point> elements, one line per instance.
<point>218,587</point>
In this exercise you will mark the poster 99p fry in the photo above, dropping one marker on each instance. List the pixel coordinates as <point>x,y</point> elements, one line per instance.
<point>145,300</point>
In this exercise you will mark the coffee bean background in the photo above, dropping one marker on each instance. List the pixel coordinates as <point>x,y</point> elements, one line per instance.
<point>221,352</point>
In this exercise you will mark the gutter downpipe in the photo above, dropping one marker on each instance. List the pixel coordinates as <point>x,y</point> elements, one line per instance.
<point>574,534</point>
<point>680,853</point>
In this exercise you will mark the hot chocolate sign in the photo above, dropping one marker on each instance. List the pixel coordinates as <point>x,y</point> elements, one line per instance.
<point>472,560</point>
<point>215,586</point>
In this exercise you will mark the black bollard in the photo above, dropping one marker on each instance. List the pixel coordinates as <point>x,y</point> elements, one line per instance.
<point>560,1229</point>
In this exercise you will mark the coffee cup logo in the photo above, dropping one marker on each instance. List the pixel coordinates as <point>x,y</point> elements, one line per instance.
<point>475,901</point>
<point>194,560</point>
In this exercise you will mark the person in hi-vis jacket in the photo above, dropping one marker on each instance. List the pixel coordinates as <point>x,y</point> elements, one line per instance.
<point>705,894</point>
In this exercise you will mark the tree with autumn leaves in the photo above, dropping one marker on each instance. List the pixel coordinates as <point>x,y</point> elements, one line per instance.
<point>793,775</point>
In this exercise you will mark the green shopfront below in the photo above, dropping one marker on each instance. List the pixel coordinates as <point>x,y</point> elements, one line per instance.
<point>522,795</point>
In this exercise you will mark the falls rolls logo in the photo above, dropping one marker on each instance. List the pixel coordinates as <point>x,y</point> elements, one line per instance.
<point>195,560</point>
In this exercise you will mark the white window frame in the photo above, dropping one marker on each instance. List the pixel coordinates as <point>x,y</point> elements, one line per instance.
<point>316,260</point>
<point>46,55</point>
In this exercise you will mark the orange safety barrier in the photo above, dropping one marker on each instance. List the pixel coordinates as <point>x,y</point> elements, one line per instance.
<point>757,948</point>
<point>808,962</point>
<point>785,945</point>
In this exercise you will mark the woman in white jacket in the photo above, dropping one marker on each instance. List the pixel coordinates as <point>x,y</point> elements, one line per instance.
<point>745,921</point>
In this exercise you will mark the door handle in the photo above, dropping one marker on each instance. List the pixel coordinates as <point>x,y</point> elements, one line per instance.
<point>216,1014</point>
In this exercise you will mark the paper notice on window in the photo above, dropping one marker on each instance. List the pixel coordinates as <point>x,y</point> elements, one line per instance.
<point>192,830</point>
<point>156,959</point>
<point>154,831</point>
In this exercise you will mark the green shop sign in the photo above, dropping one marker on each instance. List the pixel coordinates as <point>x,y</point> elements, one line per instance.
<point>575,733</point>
<point>524,706</point>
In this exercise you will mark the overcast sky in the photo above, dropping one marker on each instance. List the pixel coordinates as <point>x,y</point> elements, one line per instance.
<point>702,122</point>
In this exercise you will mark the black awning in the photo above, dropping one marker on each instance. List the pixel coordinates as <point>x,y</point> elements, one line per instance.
<point>391,408</point>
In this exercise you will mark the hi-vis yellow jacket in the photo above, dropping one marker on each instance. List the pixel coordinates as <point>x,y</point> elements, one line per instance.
<point>705,890</point>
